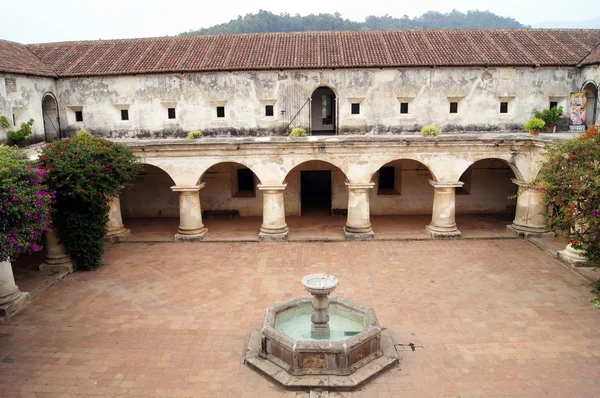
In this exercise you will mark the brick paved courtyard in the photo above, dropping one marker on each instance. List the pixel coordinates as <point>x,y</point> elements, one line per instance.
<point>494,318</point>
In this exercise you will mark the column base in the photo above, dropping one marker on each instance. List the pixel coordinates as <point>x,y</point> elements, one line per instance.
<point>529,232</point>
<point>187,236</point>
<point>57,264</point>
<point>442,232</point>
<point>572,258</point>
<point>352,233</point>
<point>15,304</point>
<point>117,235</point>
<point>273,235</point>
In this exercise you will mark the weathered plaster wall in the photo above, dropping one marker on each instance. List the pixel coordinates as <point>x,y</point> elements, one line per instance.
<point>151,195</point>
<point>244,95</point>
<point>22,96</point>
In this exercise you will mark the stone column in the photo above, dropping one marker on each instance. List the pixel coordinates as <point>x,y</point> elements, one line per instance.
<point>358,225</point>
<point>116,229</point>
<point>190,213</point>
<point>573,256</point>
<point>57,256</point>
<point>11,298</point>
<point>529,216</point>
<point>273,227</point>
<point>443,223</point>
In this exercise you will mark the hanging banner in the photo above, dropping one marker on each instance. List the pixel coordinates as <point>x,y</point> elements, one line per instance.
<point>577,115</point>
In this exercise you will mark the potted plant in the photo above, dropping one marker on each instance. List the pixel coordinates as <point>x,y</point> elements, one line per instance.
<point>430,130</point>
<point>534,126</point>
<point>550,117</point>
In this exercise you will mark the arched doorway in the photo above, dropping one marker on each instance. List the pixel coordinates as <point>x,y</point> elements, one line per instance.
<point>402,199</point>
<point>486,202</point>
<point>232,205</point>
<point>323,120</point>
<point>591,91</point>
<point>51,118</point>
<point>316,201</point>
<point>150,208</point>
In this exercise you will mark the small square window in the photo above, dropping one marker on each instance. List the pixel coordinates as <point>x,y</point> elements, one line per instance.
<point>245,180</point>
<point>268,111</point>
<point>79,116</point>
<point>220,111</point>
<point>171,112</point>
<point>454,107</point>
<point>404,107</point>
<point>355,109</point>
<point>553,104</point>
<point>387,177</point>
<point>124,114</point>
<point>504,107</point>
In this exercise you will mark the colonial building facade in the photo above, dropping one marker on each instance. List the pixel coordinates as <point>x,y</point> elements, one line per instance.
<point>362,97</point>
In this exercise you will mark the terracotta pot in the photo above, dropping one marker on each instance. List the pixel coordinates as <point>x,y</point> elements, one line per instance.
<point>534,132</point>
<point>550,128</point>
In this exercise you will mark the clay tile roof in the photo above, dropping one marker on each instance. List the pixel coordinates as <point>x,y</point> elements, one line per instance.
<point>307,50</point>
<point>17,58</point>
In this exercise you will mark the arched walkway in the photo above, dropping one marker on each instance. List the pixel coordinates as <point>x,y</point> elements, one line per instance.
<point>51,118</point>
<point>231,202</point>
<point>485,203</point>
<point>323,120</point>
<point>402,199</point>
<point>150,208</point>
<point>316,200</point>
<point>591,113</point>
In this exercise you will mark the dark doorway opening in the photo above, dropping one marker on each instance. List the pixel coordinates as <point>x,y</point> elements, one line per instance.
<point>315,191</point>
<point>323,112</point>
<point>51,119</point>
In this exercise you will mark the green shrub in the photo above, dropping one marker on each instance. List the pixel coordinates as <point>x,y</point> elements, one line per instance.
<point>595,299</point>
<point>534,124</point>
<point>298,132</point>
<point>4,123</point>
<point>24,204</point>
<point>430,131</point>
<point>194,135</point>
<point>85,171</point>
<point>549,116</point>
<point>83,133</point>
<point>23,132</point>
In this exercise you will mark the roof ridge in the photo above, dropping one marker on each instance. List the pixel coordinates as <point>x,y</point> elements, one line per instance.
<point>592,51</point>
<point>38,58</point>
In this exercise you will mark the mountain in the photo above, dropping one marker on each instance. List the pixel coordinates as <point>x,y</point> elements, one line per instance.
<point>266,21</point>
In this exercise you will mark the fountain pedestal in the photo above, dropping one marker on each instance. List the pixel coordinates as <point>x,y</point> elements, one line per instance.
<point>320,285</point>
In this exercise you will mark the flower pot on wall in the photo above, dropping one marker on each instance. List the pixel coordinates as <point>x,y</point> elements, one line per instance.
<point>550,128</point>
<point>534,132</point>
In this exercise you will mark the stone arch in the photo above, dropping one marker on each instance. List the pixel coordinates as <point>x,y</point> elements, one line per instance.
<point>241,162</point>
<point>298,162</point>
<point>151,195</point>
<point>315,185</point>
<point>375,166</point>
<point>591,88</point>
<point>156,163</point>
<point>518,174</point>
<point>51,117</point>
<point>230,189</point>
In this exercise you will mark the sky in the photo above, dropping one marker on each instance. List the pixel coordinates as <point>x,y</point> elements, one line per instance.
<point>38,21</point>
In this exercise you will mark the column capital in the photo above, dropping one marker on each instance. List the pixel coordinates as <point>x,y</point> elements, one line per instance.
<point>446,184</point>
<point>352,185</point>
<point>518,182</point>
<point>526,185</point>
<point>271,187</point>
<point>189,188</point>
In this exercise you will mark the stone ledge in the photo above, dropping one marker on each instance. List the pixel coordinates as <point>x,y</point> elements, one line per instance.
<point>324,382</point>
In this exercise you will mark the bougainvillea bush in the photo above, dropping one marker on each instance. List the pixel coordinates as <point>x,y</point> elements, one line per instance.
<point>571,176</point>
<point>24,204</point>
<point>85,171</point>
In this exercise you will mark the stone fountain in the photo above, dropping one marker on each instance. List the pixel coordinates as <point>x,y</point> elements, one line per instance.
<point>320,341</point>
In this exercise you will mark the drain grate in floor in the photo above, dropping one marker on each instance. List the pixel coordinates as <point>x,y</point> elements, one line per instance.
<point>408,347</point>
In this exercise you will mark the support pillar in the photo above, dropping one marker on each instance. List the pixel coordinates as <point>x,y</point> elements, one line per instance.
<point>11,298</point>
<point>530,220</point>
<point>57,256</point>
<point>274,227</point>
<point>573,256</point>
<point>190,213</point>
<point>116,229</point>
<point>443,222</point>
<point>358,225</point>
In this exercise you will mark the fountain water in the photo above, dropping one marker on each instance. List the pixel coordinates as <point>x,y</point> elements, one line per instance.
<point>323,341</point>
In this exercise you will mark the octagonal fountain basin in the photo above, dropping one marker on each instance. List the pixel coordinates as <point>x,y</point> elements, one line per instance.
<point>354,350</point>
